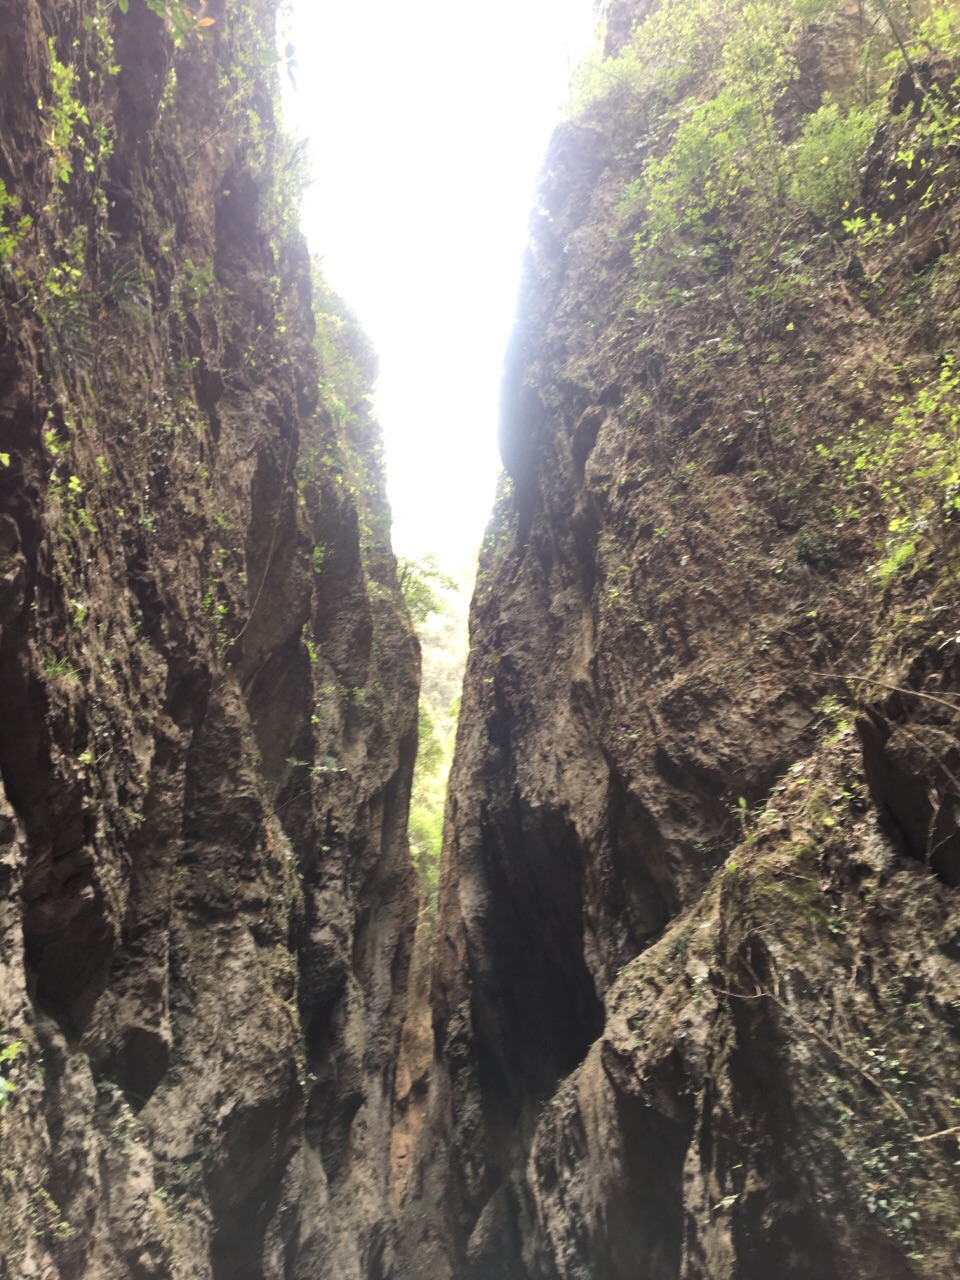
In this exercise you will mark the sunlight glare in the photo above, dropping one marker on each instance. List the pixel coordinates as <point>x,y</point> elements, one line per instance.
<point>428,123</point>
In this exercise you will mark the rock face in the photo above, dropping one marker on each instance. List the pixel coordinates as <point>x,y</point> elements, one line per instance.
<point>695,992</point>
<point>694,988</point>
<point>208,679</point>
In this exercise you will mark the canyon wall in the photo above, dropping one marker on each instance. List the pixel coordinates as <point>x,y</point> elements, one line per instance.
<point>695,987</point>
<point>208,679</point>
<point>693,1002</point>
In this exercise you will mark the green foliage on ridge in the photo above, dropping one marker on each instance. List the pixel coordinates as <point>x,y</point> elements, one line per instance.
<point>749,204</point>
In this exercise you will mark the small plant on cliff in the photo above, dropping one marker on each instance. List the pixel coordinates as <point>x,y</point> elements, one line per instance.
<point>826,159</point>
<point>191,284</point>
<point>180,18</point>
<point>67,113</point>
<point>64,301</point>
<point>8,1055</point>
<point>910,458</point>
<point>12,227</point>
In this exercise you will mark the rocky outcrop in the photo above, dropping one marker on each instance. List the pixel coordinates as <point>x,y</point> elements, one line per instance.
<point>694,991</point>
<point>208,679</point>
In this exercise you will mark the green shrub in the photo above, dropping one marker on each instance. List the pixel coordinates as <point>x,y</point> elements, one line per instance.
<point>177,13</point>
<point>8,1055</point>
<point>826,159</point>
<point>597,76</point>
<point>12,227</point>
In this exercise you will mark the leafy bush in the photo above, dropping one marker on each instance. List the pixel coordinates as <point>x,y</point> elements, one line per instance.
<point>12,228</point>
<point>8,1055</point>
<point>422,583</point>
<point>708,167</point>
<point>597,76</point>
<point>178,14</point>
<point>826,158</point>
<point>911,459</point>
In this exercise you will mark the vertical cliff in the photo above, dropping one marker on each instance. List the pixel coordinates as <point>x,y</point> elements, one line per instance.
<point>208,679</point>
<point>695,974</point>
<point>695,985</point>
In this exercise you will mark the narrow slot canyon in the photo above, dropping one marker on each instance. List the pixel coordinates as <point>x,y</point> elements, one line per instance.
<point>585,909</point>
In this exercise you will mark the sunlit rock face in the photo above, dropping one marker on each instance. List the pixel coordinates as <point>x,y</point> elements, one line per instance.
<point>208,680</point>
<point>695,984</point>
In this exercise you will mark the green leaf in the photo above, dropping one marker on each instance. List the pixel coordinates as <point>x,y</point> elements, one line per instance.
<point>11,1051</point>
<point>124,5</point>
<point>4,459</point>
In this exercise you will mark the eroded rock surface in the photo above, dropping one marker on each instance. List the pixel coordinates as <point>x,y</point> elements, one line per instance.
<point>695,983</point>
<point>695,975</point>
<point>208,680</point>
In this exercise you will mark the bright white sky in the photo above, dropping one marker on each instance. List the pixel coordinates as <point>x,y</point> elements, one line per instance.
<point>428,123</point>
